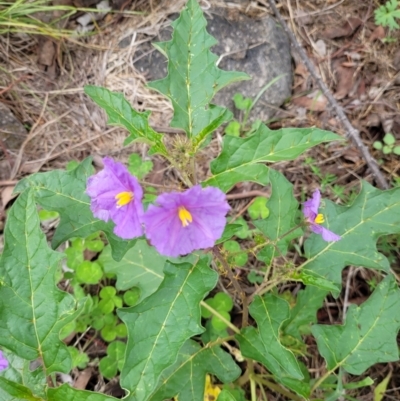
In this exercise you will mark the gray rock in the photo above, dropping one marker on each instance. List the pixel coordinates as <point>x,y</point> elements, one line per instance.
<point>258,47</point>
<point>12,132</point>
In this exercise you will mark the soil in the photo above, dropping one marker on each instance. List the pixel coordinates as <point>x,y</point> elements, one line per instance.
<point>41,89</point>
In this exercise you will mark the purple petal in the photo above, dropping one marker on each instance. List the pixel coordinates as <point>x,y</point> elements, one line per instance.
<point>128,222</point>
<point>3,362</point>
<point>327,235</point>
<point>102,189</point>
<point>311,206</point>
<point>165,231</point>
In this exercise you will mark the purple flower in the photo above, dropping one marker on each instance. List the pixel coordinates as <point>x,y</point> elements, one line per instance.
<point>310,211</point>
<point>3,362</point>
<point>185,221</point>
<point>117,195</point>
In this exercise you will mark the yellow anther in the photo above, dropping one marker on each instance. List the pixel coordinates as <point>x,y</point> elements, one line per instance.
<point>319,219</point>
<point>123,198</point>
<point>184,216</point>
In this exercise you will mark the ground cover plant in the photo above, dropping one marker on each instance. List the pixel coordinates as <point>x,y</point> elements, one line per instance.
<point>151,293</point>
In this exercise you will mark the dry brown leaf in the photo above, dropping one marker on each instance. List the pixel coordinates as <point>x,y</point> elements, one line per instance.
<point>83,378</point>
<point>378,33</point>
<point>346,29</point>
<point>318,103</point>
<point>7,195</point>
<point>344,78</point>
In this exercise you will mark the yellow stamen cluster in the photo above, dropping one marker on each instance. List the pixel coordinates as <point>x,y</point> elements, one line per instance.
<point>319,219</point>
<point>123,198</point>
<point>184,216</point>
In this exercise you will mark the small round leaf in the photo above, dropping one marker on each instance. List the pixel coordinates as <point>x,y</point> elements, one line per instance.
<point>89,272</point>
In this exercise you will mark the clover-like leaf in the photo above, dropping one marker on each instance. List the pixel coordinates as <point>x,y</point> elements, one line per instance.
<point>186,377</point>
<point>32,309</point>
<point>121,113</point>
<point>162,323</point>
<point>140,267</point>
<point>372,214</point>
<point>242,159</point>
<point>64,192</point>
<point>193,77</point>
<point>368,335</point>
<point>263,344</point>
<point>66,392</point>
<point>283,209</point>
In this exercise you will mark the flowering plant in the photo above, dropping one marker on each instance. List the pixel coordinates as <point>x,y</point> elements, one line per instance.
<point>170,254</point>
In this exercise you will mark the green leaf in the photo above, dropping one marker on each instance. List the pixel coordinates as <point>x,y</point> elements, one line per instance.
<point>258,209</point>
<point>242,103</point>
<point>377,145</point>
<point>19,371</point>
<point>79,359</point>
<point>17,391</point>
<point>372,214</point>
<point>64,192</point>
<point>229,394</point>
<point>161,324</point>
<point>283,208</point>
<point>132,296</point>
<point>193,78</point>
<point>66,392</point>
<point>33,310</point>
<point>389,139</point>
<point>396,150</point>
<point>233,128</point>
<point>223,302</point>
<point>122,114</point>
<point>138,167</point>
<point>89,272</point>
<point>186,378</point>
<point>263,344</point>
<point>305,311</point>
<point>242,159</point>
<point>368,335</point>
<point>229,231</point>
<point>140,267</point>
<point>385,15</point>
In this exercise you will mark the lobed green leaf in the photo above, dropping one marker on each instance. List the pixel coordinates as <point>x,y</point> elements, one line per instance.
<point>373,213</point>
<point>162,323</point>
<point>185,379</point>
<point>122,114</point>
<point>140,267</point>
<point>283,209</point>
<point>193,77</point>
<point>32,309</point>
<point>242,159</point>
<point>263,344</point>
<point>369,334</point>
<point>67,393</point>
<point>304,313</point>
<point>64,192</point>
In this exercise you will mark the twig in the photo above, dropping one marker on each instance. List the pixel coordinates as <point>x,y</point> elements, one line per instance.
<point>248,194</point>
<point>351,131</point>
<point>236,285</point>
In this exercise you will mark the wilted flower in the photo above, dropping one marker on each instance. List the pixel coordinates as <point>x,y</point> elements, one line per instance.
<point>3,362</point>
<point>117,195</point>
<point>185,221</point>
<point>310,211</point>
